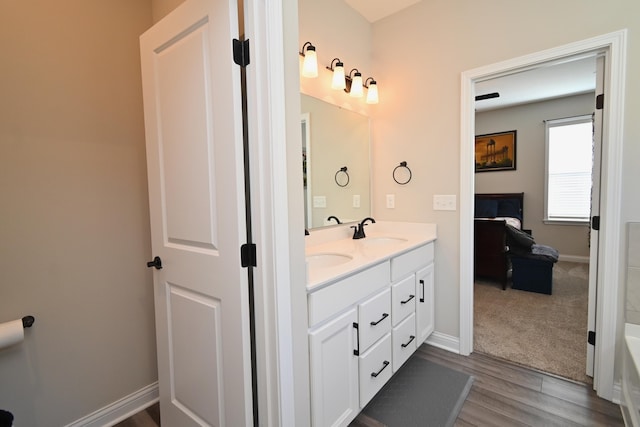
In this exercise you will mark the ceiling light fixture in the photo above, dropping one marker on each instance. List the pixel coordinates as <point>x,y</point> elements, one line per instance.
<point>310,63</point>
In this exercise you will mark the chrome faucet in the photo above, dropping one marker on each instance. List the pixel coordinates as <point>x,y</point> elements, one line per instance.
<point>358,230</point>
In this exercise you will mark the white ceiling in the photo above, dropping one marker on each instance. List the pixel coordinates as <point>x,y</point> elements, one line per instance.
<point>374,10</point>
<point>544,82</point>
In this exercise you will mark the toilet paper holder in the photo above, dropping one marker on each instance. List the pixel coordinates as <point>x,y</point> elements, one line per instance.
<point>27,321</point>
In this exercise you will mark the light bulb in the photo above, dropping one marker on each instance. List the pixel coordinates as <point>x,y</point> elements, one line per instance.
<point>372,93</point>
<point>356,86</point>
<point>310,63</point>
<point>338,81</point>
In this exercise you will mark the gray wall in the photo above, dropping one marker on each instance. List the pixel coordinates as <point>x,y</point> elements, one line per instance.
<point>74,221</point>
<point>570,240</point>
<point>420,54</point>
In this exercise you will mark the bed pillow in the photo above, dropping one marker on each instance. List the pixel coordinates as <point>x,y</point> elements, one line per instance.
<point>509,208</point>
<point>486,208</point>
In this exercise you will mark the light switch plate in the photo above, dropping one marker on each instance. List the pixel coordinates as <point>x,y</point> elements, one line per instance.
<point>356,200</point>
<point>444,202</point>
<point>391,201</point>
<point>319,201</point>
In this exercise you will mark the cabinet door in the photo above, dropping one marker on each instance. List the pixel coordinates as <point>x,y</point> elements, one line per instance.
<point>334,371</point>
<point>425,316</point>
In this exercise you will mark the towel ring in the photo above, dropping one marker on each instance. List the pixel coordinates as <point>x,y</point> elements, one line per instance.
<point>404,166</point>
<point>344,171</point>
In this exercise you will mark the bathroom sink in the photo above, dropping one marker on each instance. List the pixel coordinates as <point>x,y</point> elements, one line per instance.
<point>322,260</point>
<point>378,241</point>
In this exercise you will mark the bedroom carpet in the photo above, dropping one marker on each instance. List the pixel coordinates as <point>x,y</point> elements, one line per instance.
<point>544,332</point>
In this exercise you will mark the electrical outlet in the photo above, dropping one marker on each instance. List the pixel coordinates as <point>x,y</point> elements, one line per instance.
<point>444,202</point>
<point>356,200</point>
<point>391,201</point>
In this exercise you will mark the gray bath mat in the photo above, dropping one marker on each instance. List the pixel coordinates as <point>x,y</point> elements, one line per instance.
<point>421,393</point>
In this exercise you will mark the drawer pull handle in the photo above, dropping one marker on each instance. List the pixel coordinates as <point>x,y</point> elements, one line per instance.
<point>356,352</point>
<point>384,316</point>
<point>384,365</point>
<point>422,283</point>
<point>408,299</point>
<point>412,337</point>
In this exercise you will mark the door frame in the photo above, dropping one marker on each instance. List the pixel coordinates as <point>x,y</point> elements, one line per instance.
<point>273,104</point>
<point>615,45</point>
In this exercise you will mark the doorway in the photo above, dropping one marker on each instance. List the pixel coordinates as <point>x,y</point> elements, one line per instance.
<point>544,331</point>
<point>614,46</point>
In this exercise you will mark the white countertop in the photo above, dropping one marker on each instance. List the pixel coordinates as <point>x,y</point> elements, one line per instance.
<point>364,253</point>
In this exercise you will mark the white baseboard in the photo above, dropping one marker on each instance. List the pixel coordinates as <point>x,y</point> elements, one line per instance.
<point>574,258</point>
<point>445,342</point>
<point>617,392</point>
<point>120,409</point>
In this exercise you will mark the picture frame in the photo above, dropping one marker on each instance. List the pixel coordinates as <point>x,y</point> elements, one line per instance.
<point>496,151</point>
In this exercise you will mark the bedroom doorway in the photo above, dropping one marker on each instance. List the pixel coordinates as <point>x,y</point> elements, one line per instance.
<point>545,332</point>
<point>613,45</point>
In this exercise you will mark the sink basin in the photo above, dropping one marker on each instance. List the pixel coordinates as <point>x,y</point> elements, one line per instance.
<point>382,241</point>
<point>322,260</point>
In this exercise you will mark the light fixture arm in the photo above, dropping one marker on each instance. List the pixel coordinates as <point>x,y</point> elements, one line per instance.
<point>337,62</point>
<point>366,82</point>
<point>305,45</point>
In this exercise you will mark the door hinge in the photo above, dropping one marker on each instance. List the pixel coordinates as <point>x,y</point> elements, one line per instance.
<point>600,101</point>
<point>241,52</point>
<point>591,338</point>
<point>248,257</point>
<point>595,222</point>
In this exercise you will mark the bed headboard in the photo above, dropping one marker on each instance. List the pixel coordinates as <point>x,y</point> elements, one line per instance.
<point>503,204</point>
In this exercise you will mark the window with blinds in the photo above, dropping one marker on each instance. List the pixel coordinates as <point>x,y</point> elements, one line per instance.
<point>569,162</point>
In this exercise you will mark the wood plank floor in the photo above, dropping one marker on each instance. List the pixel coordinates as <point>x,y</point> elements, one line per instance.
<point>503,394</point>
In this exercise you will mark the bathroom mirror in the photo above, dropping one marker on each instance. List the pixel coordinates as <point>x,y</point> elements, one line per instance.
<point>335,163</point>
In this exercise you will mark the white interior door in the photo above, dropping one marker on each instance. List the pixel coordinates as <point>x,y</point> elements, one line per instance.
<point>193,120</point>
<point>595,212</point>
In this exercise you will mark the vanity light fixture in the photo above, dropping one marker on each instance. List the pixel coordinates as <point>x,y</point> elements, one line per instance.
<point>310,63</point>
<point>372,90</point>
<point>338,80</point>
<point>354,85</point>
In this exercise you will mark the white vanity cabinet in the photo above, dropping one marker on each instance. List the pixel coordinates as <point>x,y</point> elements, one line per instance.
<point>348,333</point>
<point>410,303</point>
<point>362,328</point>
<point>334,371</point>
<point>425,313</point>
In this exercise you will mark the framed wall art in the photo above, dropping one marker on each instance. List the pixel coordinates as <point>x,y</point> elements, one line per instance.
<point>496,151</point>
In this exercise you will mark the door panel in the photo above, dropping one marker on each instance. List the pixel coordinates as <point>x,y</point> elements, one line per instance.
<point>193,125</point>
<point>595,211</point>
<point>195,391</point>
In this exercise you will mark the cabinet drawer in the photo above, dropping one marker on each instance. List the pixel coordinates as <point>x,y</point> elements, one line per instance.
<point>403,299</point>
<point>374,318</point>
<point>411,261</point>
<point>404,341</point>
<point>374,369</point>
<point>336,297</point>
